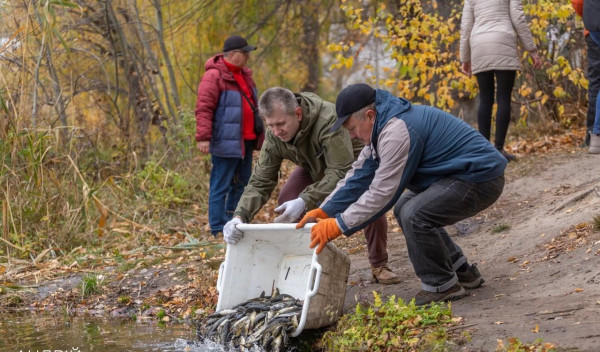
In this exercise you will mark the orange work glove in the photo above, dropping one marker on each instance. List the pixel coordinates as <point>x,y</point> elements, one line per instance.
<point>324,231</point>
<point>312,216</point>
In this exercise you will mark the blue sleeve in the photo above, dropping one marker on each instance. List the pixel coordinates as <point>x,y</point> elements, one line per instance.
<point>355,186</point>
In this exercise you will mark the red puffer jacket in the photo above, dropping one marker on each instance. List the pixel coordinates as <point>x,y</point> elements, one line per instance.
<point>219,109</point>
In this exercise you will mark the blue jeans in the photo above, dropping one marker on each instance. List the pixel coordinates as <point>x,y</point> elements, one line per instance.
<point>422,217</point>
<point>228,177</point>
<point>593,66</point>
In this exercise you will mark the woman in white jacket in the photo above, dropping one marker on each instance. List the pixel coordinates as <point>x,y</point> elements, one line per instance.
<point>488,49</point>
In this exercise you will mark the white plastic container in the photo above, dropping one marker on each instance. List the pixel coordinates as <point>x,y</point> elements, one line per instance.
<point>277,255</point>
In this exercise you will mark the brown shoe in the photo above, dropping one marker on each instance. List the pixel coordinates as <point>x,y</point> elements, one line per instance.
<point>384,275</point>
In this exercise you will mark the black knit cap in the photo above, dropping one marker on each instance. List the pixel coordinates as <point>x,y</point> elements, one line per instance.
<point>235,42</point>
<point>351,99</point>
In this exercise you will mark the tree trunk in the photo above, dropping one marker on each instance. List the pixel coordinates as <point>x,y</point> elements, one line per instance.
<point>165,54</point>
<point>310,43</point>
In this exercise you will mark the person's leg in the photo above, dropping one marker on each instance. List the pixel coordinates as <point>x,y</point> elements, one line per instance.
<point>243,171</point>
<point>485,81</point>
<point>221,177</point>
<point>376,235</point>
<point>505,80</point>
<point>298,180</point>
<point>430,249</point>
<point>456,255</point>
<point>594,67</point>
<point>593,75</point>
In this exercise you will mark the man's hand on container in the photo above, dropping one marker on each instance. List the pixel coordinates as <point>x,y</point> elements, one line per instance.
<point>292,209</point>
<point>230,232</point>
<point>312,216</point>
<point>324,231</point>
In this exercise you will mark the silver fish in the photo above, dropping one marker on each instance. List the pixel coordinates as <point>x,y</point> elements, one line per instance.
<point>264,321</point>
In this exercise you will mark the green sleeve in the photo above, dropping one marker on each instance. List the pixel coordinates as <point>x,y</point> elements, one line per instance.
<point>339,156</point>
<point>262,182</point>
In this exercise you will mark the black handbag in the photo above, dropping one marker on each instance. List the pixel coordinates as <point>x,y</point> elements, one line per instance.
<point>259,127</point>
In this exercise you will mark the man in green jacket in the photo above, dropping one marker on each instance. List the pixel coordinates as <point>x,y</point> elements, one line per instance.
<point>299,130</point>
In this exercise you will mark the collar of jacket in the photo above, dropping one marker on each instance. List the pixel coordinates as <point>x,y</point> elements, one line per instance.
<point>218,62</point>
<point>311,106</point>
<point>387,106</point>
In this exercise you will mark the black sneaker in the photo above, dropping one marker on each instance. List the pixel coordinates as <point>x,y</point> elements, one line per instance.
<point>586,141</point>
<point>454,292</point>
<point>470,278</point>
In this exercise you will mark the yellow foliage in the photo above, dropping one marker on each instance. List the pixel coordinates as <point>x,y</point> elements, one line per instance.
<point>420,43</point>
<point>424,45</point>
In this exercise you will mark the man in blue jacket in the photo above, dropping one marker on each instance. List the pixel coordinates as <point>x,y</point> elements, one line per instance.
<point>451,172</point>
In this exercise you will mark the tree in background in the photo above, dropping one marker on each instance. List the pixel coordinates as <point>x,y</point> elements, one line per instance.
<point>421,37</point>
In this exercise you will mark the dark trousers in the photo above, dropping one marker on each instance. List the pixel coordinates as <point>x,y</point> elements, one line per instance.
<point>422,217</point>
<point>228,177</point>
<point>502,83</point>
<point>593,122</point>
<point>376,232</point>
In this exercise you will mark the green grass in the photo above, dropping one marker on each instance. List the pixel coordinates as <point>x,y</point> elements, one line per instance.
<point>89,285</point>
<point>392,326</point>
<point>124,300</point>
<point>596,222</point>
<point>65,195</point>
<point>500,228</point>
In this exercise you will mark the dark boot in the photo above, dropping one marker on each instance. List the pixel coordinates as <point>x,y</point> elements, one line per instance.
<point>508,156</point>
<point>453,293</point>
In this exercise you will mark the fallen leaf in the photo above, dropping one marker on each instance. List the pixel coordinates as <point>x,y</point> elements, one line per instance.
<point>536,329</point>
<point>578,289</point>
<point>498,322</point>
<point>581,226</point>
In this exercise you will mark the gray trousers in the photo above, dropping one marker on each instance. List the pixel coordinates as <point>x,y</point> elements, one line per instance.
<point>422,217</point>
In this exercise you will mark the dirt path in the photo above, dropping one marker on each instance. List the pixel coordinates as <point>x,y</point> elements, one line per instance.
<point>542,273</point>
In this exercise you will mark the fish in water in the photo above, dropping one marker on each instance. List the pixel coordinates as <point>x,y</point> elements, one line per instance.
<point>264,321</point>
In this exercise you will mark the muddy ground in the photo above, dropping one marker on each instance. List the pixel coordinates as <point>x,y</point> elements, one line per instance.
<point>536,248</point>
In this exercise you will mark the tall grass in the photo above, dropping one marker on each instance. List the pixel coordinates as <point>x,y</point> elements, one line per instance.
<point>59,194</point>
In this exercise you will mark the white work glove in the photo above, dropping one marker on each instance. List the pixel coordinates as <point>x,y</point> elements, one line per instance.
<point>231,233</point>
<point>292,210</point>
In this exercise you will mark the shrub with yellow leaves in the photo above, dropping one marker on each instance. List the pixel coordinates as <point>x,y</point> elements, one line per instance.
<point>423,44</point>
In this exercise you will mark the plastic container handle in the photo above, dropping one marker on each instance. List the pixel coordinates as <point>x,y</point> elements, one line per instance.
<point>318,269</point>
<point>220,279</point>
<point>315,273</point>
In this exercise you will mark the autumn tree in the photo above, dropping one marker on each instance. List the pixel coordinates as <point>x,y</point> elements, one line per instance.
<point>421,38</point>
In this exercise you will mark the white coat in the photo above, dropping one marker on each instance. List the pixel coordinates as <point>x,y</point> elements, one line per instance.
<point>489,32</point>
